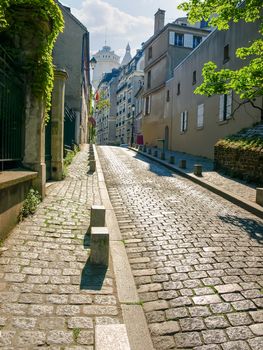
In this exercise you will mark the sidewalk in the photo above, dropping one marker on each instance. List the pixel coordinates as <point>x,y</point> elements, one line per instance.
<point>235,190</point>
<point>50,296</point>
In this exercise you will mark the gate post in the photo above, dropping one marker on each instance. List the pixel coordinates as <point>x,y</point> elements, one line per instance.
<point>57,124</point>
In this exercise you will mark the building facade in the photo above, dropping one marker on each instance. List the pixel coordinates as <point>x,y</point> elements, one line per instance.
<point>130,81</point>
<point>197,122</point>
<point>169,45</point>
<point>106,61</point>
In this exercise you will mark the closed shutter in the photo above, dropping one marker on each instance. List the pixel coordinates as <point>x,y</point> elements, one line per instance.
<point>171,38</point>
<point>144,106</point>
<point>188,40</point>
<point>221,108</point>
<point>200,116</point>
<point>229,104</point>
<point>185,120</point>
<point>182,122</point>
<point>149,104</point>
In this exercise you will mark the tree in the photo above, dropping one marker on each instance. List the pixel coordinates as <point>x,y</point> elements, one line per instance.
<point>247,82</point>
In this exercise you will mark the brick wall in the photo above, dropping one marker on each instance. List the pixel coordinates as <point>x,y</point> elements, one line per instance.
<point>242,163</point>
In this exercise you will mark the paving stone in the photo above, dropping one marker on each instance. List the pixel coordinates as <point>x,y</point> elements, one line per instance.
<point>192,324</point>
<point>51,323</point>
<point>244,305</point>
<point>196,311</point>
<point>155,305</point>
<point>208,347</point>
<point>206,299</point>
<point>239,319</point>
<point>257,316</point>
<point>24,322</point>
<point>257,329</point>
<point>235,345</point>
<point>221,308</point>
<point>163,328</point>
<point>30,338</point>
<point>216,322</point>
<point>256,343</point>
<point>80,322</point>
<point>215,336</point>
<point>164,342</point>
<point>239,333</point>
<point>59,337</point>
<point>187,340</point>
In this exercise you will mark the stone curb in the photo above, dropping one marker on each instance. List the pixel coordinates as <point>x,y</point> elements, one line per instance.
<point>133,314</point>
<point>247,205</point>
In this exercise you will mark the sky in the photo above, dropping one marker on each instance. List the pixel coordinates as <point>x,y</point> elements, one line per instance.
<point>121,21</point>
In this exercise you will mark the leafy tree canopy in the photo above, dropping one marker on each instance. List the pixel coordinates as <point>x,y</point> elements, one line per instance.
<point>247,82</point>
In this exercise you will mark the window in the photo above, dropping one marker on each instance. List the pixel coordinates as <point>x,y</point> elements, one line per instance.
<point>226,53</point>
<point>176,39</point>
<point>194,77</point>
<point>184,116</point>
<point>148,105</point>
<point>196,40</point>
<point>149,76</point>
<point>168,95</point>
<point>200,116</point>
<point>178,89</point>
<point>225,106</point>
<point>179,39</point>
<point>150,53</point>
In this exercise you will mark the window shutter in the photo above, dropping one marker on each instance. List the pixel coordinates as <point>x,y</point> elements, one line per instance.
<point>200,116</point>
<point>149,105</point>
<point>182,121</point>
<point>144,106</point>
<point>185,120</point>
<point>171,38</point>
<point>229,104</point>
<point>188,40</point>
<point>221,108</point>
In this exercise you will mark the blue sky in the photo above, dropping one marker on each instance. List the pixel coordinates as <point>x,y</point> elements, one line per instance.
<point>121,21</point>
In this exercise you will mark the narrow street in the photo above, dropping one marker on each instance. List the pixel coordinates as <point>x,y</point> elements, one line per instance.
<point>195,257</point>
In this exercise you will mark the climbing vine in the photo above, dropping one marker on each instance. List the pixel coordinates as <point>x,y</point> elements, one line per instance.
<point>38,13</point>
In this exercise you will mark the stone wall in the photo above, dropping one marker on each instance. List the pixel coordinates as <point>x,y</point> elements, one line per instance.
<point>239,162</point>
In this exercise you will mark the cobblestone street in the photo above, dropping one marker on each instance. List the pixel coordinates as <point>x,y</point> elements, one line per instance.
<point>196,258</point>
<point>50,296</point>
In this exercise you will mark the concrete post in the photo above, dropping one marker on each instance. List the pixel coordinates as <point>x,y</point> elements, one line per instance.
<point>172,159</point>
<point>162,156</point>
<point>198,170</point>
<point>34,154</point>
<point>149,151</point>
<point>57,125</point>
<point>182,164</point>
<point>259,196</point>
<point>155,153</point>
<point>97,216</point>
<point>99,246</point>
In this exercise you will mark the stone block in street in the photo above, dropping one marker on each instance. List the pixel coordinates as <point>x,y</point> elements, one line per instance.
<point>99,246</point>
<point>97,216</point>
<point>109,337</point>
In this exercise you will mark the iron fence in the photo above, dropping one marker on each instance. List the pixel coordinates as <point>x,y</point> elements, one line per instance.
<point>12,102</point>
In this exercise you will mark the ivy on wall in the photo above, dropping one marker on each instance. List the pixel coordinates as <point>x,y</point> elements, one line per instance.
<point>44,19</point>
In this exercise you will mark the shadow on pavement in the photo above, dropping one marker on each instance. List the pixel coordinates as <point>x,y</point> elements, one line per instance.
<point>252,227</point>
<point>86,240</point>
<point>92,276</point>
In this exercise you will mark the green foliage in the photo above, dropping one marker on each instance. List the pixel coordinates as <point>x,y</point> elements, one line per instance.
<point>38,12</point>
<point>247,81</point>
<point>30,204</point>
<point>70,155</point>
<point>103,102</point>
<point>76,332</point>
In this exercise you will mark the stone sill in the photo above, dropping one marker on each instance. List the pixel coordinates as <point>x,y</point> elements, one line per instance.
<point>14,177</point>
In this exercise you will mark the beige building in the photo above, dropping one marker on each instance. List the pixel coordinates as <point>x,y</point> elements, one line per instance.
<point>194,123</point>
<point>169,45</point>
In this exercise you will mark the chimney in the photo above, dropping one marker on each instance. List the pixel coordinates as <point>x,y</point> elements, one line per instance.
<point>159,20</point>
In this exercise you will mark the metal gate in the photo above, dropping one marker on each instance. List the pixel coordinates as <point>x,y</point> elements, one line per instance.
<point>12,112</point>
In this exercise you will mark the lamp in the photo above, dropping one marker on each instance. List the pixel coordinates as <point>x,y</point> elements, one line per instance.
<point>93,62</point>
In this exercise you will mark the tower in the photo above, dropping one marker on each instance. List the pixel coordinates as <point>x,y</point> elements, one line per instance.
<point>127,57</point>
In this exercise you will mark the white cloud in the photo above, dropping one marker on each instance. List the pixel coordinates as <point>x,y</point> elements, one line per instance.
<point>118,27</point>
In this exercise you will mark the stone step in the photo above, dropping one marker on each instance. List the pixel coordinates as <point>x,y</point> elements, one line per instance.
<point>111,337</point>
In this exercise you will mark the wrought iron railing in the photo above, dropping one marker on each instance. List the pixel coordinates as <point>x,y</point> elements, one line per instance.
<point>12,111</point>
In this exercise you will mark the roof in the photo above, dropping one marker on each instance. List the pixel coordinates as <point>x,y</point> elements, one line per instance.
<point>66,10</point>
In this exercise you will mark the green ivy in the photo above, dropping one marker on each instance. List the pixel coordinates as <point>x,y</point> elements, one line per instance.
<point>30,204</point>
<point>41,66</point>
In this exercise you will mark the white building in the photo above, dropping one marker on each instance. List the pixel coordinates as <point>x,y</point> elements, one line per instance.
<point>106,61</point>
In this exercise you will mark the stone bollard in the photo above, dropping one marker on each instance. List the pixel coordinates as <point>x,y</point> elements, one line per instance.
<point>140,148</point>
<point>155,154</point>
<point>144,149</point>
<point>182,164</point>
<point>172,159</point>
<point>97,216</point>
<point>149,151</point>
<point>162,155</point>
<point>198,170</point>
<point>99,246</point>
<point>92,165</point>
<point>259,196</point>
